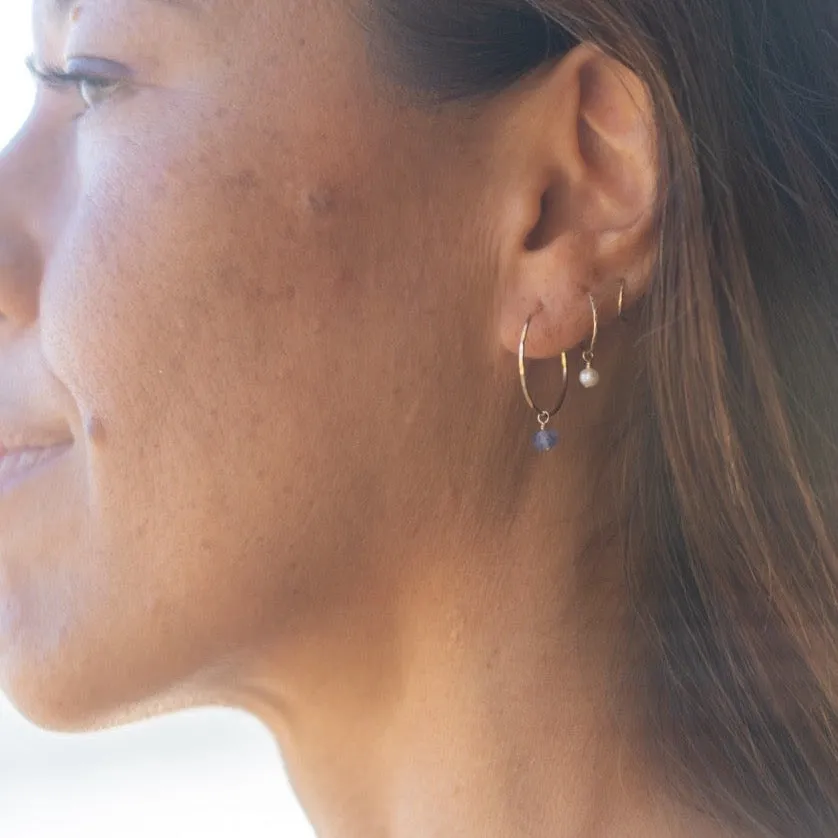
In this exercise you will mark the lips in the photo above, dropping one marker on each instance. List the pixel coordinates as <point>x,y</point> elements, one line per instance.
<point>20,459</point>
<point>31,441</point>
<point>24,451</point>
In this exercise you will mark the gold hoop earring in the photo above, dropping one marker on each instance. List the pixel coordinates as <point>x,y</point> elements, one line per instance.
<point>543,440</point>
<point>589,377</point>
<point>620,313</point>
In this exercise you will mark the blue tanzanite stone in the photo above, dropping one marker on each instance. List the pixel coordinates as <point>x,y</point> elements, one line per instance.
<point>545,440</point>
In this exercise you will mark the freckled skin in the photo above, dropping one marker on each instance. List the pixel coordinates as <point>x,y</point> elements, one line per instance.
<point>277,306</point>
<point>223,293</point>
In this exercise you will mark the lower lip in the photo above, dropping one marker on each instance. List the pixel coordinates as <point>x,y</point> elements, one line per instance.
<point>22,464</point>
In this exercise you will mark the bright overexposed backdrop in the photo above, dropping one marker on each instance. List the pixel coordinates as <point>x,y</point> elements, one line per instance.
<point>16,89</point>
<point>206,774</point>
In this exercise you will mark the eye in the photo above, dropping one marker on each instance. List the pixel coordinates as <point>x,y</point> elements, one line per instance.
<point>93,88</point>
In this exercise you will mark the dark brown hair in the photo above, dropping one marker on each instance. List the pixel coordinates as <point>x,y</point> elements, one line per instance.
<point>731,457</point>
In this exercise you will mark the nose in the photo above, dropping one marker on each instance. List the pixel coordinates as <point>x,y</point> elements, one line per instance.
<point>30,186</point>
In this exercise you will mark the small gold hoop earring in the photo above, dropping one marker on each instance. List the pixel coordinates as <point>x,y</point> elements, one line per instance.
<point>620,313</point>
<point>543,440</point>
<point>589,377</point>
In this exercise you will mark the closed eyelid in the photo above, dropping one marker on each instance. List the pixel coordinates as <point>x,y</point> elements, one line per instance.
<point>91,66</point>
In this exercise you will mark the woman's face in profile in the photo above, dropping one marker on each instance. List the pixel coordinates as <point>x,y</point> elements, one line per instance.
<point>214,286</point>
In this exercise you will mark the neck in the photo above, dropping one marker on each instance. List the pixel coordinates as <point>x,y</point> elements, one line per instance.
<point>474,704</point>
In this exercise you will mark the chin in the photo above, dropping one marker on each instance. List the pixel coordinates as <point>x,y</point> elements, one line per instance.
<point>52,702</point>
<point>79,694</point>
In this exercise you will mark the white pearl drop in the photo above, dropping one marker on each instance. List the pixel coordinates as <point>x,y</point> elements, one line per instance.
<point>588,378</point>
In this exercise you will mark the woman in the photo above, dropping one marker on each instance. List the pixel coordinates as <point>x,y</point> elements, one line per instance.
<point>452,385</point>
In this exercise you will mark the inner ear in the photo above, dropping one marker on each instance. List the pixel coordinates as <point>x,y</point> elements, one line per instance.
<point>544,230</point>
<point>599,150</point>
<point>582,184</point>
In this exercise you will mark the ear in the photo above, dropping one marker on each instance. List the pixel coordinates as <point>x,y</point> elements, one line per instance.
<point>578,202</point>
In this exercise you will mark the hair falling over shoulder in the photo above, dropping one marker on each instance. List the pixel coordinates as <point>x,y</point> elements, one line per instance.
<point>730,526</point>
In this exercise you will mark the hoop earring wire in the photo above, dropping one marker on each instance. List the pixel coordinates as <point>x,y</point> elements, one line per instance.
<point>543,440</point>
<point>620,314</point>
<point>589,377</point>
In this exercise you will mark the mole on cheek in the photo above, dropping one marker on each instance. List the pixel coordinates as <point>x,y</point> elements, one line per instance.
<point>322,201</point>
<point>94,428</point>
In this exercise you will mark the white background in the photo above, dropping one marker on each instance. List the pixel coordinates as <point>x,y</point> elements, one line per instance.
<point>197,775</point>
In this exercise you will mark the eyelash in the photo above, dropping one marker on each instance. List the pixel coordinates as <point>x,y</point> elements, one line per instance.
<point>57,79</point>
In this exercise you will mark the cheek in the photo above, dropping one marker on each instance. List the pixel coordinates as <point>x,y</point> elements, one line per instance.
<point>186,307</point>
<point>179,266</point>
<point>212,254</point>
<point>213,300</point>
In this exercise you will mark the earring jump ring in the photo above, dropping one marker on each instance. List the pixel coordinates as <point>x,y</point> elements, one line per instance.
<point>522,370</point>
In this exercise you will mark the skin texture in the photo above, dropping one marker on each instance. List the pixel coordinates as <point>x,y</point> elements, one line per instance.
<point>277,306</point>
